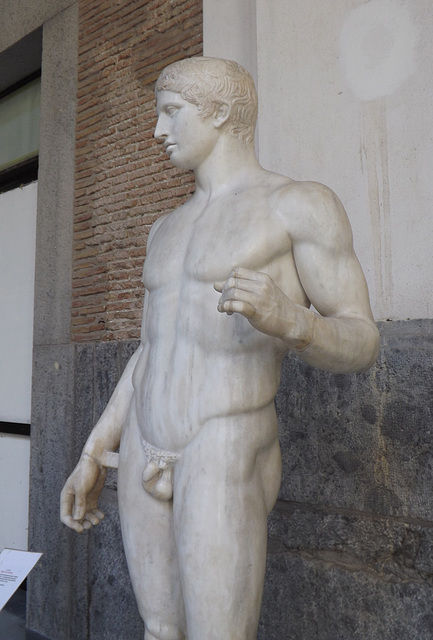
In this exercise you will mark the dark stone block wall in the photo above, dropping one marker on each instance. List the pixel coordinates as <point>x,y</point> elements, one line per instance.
<point>80,590</point>
<point>350,539</point>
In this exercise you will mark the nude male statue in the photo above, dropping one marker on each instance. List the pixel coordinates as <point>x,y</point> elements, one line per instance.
<point>230,276</point>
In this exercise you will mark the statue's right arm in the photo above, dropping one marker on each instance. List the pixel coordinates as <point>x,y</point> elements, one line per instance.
<point>107,431</point>
<point>79,497</point>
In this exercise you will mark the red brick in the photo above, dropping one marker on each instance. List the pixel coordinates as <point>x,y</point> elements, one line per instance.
<point>123,180</point>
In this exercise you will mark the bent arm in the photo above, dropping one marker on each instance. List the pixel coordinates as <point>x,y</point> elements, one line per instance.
<point>79,497</point>
<point>106,434</point>
<point>344,342</point>
<point>341,344</point>
<point>344,337</point>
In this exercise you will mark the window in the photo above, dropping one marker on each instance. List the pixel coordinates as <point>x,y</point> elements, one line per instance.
<point>19,133</point>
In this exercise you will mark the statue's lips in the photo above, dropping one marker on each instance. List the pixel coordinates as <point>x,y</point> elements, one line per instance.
<point>169,147</point>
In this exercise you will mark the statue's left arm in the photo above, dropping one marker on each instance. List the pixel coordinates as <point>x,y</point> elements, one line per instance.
<point>342,337</point>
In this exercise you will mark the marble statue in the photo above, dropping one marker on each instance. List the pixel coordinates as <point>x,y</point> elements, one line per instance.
<point>230,279</point>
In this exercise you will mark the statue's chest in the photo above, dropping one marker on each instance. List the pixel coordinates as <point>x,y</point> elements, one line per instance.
<point>237,237</point>
<point>208,248</point>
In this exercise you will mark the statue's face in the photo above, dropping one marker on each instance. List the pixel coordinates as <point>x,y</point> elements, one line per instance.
<point>188,137</point>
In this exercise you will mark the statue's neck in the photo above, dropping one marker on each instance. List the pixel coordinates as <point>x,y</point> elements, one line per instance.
<point>230,163</point>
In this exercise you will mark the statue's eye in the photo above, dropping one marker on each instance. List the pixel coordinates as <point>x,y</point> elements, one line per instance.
<point>171,109</point>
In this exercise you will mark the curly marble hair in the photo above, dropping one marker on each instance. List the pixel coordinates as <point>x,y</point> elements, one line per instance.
<point>208,82</point>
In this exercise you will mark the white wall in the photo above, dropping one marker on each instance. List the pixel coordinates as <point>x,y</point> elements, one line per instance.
<point>17,268</point>
<point>344,90</point>
<point>14,492</point>
<point>17,274</point>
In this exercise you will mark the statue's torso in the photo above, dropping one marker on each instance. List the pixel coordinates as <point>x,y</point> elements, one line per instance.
<point>198,363</point>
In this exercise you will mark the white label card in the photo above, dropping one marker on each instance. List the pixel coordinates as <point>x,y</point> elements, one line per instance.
<point>14,567</point>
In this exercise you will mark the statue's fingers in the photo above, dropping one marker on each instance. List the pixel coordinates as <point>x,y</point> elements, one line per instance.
<point>237,306</point>
<point>90,516</point>
<point>251,285</point>
<point>237,295</point>
<point>218,286</point>
<point>71,523</point>
<point>246,274</point>
<point>230,293</point>
<point>237,275</point>
<point>67,511</point>
<point>254,281</point>
<point>76,526</point>
<point>79,508</point>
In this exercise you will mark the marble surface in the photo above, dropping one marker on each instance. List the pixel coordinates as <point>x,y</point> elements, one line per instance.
<point>230,279</point>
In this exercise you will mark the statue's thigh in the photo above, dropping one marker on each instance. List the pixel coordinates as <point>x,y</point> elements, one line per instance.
<point>148,537</point>
<point>221,528</point>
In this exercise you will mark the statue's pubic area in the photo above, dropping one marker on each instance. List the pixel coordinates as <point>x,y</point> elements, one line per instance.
<point>230,279</point>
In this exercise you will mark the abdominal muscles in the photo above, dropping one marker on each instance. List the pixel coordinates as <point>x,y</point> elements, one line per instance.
<point>195,368</point>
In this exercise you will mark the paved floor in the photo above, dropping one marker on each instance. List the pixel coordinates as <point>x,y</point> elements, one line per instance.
<point>12,620</point>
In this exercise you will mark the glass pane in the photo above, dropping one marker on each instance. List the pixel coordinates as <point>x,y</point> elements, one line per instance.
<point>19,124</point>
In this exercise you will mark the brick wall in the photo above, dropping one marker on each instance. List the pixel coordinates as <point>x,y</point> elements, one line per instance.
<point>123,180</point>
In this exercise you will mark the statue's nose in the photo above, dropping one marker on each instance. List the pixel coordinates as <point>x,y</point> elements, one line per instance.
<point>160,132</point>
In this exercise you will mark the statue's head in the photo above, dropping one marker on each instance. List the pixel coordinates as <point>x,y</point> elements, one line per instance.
<point>210,82</point>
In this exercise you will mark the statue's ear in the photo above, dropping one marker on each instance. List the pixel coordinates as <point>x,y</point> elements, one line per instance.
<point>221,114</point>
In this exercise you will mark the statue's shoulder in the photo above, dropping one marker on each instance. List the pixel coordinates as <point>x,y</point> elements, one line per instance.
<point>300,193</point>
<point>303,192</point>
<point>308,207</point>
